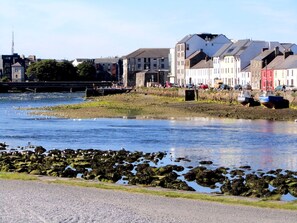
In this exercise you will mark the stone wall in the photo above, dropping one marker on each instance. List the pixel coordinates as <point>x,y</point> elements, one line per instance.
<point>227,96</point>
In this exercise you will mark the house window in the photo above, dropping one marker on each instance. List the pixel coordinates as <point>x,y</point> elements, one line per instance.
<point>16,76</point>
<point>162,66</point>
<point>139,60</point>
<point>139,66</point>
<point>188,47</point>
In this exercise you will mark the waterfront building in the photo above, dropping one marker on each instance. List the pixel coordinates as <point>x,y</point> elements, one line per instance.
<point>272,75</point>
<point>17,72</point>
<point>109,69</point>
<point>199,69</point>
<point>257,64</point>
<point>6,62</point>
<point>207,42</point>
<point>144,59</point>
<point>232,58</point>
<point>172,73</point>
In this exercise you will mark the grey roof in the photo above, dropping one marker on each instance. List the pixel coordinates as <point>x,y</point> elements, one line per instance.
<point>196,53</point>
<point>107,60</point>
<point>234,49</point>
<point>16,65</point>
<point>83,59</point>
<point>287,46</point>
<point>246,69</point>
<point>275,63</point>
<point>222,49</point>
<point>203,64</point>
<point>149,53</point>
<point>204,36</point>
<point>289,63</point>
<point>264,54</point>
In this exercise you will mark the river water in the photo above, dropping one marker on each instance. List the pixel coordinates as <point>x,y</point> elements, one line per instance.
<point>231,143</point>
<point>261,144</point>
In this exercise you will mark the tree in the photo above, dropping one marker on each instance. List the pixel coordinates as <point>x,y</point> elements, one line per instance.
<point>66,71</point>
<point>86,71</point>
<point>45,70</point>
<point>51,70</point>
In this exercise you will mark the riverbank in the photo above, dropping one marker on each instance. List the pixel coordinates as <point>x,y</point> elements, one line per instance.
<point>150,106</point>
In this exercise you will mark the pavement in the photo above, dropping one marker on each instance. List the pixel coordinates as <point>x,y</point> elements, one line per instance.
<point>37,201</point>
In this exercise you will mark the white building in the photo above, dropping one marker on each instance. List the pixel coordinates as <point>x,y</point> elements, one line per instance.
<point>231,59</point>
<point>202,72</point>
<point>208,43</point>
<point>285,72</point>
<point>172,73</point>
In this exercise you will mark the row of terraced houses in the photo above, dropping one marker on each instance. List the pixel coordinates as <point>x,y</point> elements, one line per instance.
<point>196,58</point>
<point>205,58</point>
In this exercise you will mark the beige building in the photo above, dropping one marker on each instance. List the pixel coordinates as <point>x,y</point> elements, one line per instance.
<point>17,73</point>
<point>154,60</point>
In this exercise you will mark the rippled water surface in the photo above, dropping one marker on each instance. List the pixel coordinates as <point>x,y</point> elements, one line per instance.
<point>261,144</point>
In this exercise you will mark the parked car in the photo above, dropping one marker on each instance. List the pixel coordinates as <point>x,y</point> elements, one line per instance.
<point>203,86</point>
<point>247,87</point>
<point>238,87</point>
<point>280,88</point>
<point>291,88</point>
<point>225,87</point>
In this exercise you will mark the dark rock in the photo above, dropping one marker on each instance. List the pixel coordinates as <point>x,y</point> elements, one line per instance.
<point>205,162</point>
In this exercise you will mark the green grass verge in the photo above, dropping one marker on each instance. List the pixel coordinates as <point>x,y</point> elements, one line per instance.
<point>260,203</point>
<point>16,176</point>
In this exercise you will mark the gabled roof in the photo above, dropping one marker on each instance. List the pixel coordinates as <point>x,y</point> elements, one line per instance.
<point>16,65</point>
<point>203,64</point>
<point>287,46</point>
<point>222,49</point>
<point>237,48</point>
<point>275,63</point>
<point>264,54</point>
<point>204,36</point>
<point>289,63</point>
<point>149,53</point>
<point>195,54</point>
<point>246,69</point>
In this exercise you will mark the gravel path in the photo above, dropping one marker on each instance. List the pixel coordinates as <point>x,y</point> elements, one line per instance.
<point>30,201</point>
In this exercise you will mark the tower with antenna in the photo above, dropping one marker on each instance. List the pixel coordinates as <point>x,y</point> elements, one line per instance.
<point>12,43</point>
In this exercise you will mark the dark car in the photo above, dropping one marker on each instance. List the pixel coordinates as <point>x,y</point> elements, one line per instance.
<point>238,87</point>
<point>225,87</point>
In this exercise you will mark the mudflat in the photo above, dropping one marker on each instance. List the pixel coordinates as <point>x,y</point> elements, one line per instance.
<point>159,107</point>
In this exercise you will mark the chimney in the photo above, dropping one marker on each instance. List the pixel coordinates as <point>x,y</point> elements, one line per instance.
<point>263,49</point>
<point>287,53</point>
<point>276,51</point>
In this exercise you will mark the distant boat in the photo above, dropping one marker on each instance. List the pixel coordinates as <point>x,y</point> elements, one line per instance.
<point>245,98</point>
<point>270,100</point>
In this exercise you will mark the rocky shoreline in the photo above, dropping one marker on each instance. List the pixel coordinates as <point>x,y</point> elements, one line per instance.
<point>138,168</point>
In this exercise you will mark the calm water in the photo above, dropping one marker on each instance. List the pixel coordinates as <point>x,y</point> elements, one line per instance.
<point>261,144</point>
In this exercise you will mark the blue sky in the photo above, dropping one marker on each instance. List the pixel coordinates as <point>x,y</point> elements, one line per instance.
<point>68,29</point>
